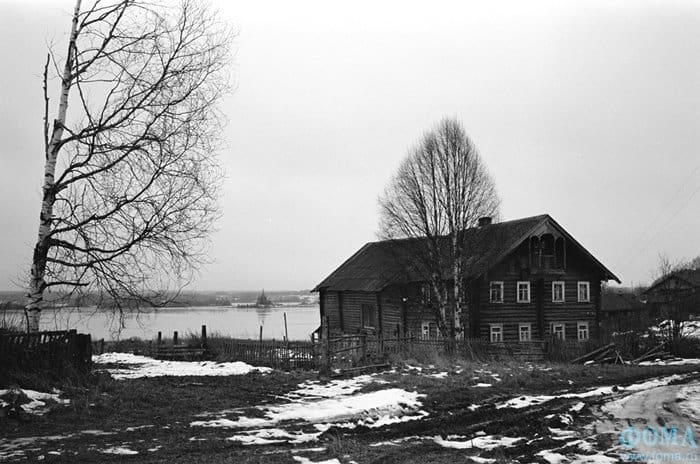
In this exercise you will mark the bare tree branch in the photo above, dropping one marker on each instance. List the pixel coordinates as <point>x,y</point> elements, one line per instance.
<point>131,179</point>
<point>441,189</point>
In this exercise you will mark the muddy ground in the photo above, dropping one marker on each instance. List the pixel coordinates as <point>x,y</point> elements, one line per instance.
<point>152,417</point>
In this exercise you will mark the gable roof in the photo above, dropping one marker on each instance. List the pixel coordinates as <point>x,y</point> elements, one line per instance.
<point>689,276</point>
<point>379,264</point>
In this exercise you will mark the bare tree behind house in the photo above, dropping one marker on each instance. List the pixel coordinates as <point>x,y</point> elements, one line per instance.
<point>130,181</point>
<point>441,188</point>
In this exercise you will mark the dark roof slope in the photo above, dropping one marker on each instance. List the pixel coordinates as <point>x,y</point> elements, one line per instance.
<point>378,264</point>
<point>690,276</point>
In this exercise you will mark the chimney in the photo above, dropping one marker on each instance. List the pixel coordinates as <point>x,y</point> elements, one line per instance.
<point>484,221</point>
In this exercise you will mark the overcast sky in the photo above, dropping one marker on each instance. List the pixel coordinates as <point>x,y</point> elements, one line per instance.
<point>588,111</point>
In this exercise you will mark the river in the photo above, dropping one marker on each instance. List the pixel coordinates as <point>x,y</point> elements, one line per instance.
<point>224,320</point>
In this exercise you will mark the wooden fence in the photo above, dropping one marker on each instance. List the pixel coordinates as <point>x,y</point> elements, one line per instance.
<point>270,353</point>
<point>54,353</point>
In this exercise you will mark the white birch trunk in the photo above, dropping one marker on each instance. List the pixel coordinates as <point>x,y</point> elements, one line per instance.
<point>37,283</point>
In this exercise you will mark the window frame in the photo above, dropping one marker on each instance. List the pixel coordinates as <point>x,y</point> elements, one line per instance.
<point>587,285</point>
<point>498,283</point>
<point>563,291</point>
<point>529,331</point>
<point>425,334</point>
<point>517,291</point>
<point>563,330</point>
<point>587,330</point>
<point>372,311</point>
<point>499,332</point>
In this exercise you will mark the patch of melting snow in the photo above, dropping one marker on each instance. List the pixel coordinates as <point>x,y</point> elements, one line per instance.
<point>561,434</point>
<point>96,432</point>
<point>397,441</point>
<point>670,362</point>
<point>154,449</point>
<point>37,400</point>
<point>482,385</point>
<point>137,427</point>
<point>303,460</point>
<point>525,401</point>
<point>316,389</point>
<point>123,450</point>
<point>487,442</point>
<point>335,404</point>
<point>577,407</point>
<point>439,375</point>
<point>688,399</point>
<point>551,457</point>
<point>593,459</point>
<point>143,366</point>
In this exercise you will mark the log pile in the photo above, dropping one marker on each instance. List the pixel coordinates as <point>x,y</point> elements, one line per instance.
<point>658,352</point>
<point>610,354</point>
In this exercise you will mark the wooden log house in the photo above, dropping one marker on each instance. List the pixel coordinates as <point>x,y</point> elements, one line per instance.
<point>527,279</point>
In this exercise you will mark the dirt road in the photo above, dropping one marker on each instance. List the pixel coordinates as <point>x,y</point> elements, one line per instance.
<point>655,425</point>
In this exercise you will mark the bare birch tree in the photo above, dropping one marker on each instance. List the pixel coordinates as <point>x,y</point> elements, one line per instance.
<point>131,180</point>
<point>441,189</point>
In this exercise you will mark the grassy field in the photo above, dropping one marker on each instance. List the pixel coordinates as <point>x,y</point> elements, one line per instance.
<point>153,415</point>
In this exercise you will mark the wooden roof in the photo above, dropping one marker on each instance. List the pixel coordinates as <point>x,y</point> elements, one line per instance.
<point>379,264</point>
<point>691,277</point>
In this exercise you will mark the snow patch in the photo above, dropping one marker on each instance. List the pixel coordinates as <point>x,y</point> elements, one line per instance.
<point>37,400</point>
<point>304,460</point>
<point>373,409</point>
<point>525,401</point>
<point>119,450</point>
<point>552,458</point>
<point>143,366</point>
<point>487,442</point>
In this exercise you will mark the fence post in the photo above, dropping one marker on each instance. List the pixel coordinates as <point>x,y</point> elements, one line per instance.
<point>286,335</point>
<point>102,346</point>
<point>175,338</point>
<point>363,348</point>
<point>160,338</point>
<point>326,361</point>
<point>381,343</point>
<point>204,336</point>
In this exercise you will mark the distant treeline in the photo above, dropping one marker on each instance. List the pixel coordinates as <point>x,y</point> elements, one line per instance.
<point>12,300</point>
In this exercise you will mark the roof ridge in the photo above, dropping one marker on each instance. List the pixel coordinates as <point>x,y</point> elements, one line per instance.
<point>509,222</point>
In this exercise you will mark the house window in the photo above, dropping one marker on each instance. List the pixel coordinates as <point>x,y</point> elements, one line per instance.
<point>368,316</point>
<point>558,330</point>
<point>430,330</point>
<point>584,292</point>
<point>582,330</point>
<point>496,332</point>
<point>523,292</point>
<point>558,292</point>
<point>496,292</point>
<point>425,294</point>
<point>525,332</point>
